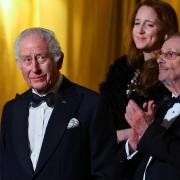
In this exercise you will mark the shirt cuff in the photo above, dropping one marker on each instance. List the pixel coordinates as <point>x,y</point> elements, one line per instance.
<point>129,156</point>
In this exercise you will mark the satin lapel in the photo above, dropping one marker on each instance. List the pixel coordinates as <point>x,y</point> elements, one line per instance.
<point>66,106</point>
<point>20,131</point>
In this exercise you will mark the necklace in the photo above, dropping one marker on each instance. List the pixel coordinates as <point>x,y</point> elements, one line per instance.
<point>131,87</point>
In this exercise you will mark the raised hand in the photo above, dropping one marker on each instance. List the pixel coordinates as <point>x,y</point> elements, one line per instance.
<point>139,119</point>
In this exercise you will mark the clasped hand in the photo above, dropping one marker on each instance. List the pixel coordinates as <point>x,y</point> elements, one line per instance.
<point>139,119</point>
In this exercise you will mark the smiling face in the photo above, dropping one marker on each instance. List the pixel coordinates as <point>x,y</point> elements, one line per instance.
<point>146,32</point>
<point>37,65</point>
<point>169,69</point>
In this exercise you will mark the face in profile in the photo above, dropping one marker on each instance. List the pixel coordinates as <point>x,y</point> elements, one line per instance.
<point>36,63</point>
<point>147,29</point>
<point>169,61</point>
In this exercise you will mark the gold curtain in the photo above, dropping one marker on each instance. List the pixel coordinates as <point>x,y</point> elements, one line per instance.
<point>92,34</point>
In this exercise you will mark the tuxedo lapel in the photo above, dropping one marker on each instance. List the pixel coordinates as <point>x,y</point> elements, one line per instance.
<point>66,105</point>
<point>20,130</point>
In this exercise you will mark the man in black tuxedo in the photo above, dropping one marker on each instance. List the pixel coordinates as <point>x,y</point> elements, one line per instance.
<point>54,130</point>
<point>152,151</point>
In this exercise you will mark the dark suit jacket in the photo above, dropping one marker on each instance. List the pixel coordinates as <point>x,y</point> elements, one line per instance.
<point>82,153</point>
<point>164,146</point>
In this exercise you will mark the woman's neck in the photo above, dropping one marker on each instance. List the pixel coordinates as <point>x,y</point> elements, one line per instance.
<point>148,55</point>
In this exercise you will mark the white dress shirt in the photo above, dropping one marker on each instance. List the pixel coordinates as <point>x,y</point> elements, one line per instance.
<point>38,120</point>
<point>169,118</point>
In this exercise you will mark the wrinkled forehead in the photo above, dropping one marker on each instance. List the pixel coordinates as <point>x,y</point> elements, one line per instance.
<point>172,44</point>
<point>32,44</point>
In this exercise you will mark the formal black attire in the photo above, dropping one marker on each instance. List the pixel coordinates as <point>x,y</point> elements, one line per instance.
<point>85,152</point>
<point>163,144</point>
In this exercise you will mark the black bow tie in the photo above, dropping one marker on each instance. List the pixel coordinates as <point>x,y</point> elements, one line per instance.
<point>36,100</point>
<point>171,100</point>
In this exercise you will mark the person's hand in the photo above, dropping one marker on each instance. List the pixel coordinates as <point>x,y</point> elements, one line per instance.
<point>128,134</point>
<point>133,140</point>
<point>123,134</point>
<point>139,119</point>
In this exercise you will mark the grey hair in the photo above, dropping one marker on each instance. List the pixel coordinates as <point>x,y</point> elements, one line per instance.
<point>48,35</point>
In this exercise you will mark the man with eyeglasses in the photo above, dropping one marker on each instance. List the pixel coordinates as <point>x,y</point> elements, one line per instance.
<point>54,130</point>
<point>152,151</point>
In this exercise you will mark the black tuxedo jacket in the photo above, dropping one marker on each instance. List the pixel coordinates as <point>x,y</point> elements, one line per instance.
<point>82,153</point>
<point>163,145</point>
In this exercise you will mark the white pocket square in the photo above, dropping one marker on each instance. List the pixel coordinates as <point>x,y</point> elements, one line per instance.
<point>73,123</point>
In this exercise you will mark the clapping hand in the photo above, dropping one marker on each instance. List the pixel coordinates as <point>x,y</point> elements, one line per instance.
<point>139,119</point>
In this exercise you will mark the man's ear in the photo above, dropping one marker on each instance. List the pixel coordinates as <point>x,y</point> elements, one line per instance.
<point>60,61</point>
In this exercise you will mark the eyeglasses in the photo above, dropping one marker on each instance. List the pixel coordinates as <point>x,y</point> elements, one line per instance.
<point>169,55</point>
<point>39,58</point>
